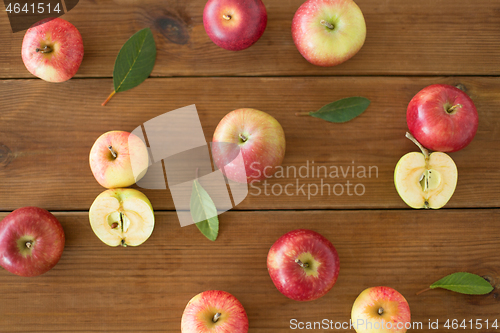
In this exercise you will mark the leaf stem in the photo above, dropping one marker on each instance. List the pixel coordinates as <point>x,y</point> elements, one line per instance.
<point>109,98</point>
<point>302,114</point>
<point>423,291</point>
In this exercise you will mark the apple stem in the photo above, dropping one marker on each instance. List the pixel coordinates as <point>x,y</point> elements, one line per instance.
<point>380,311</point>
<point>109,98</point>
<point>423,291</point>
<point>302,114</point>
<point>46,49</point>
<point>453,108</point>
<point>112,151</point>
<point>327,24</point>
<point>243,137</point>
<point>216,317</point>
<point>226,17</point>
<point>301,264</point>
<point>28,244</point>
<point>412,138</point>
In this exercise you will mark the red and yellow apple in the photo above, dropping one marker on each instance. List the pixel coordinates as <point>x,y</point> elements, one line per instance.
<point>380,310</point>
<point>52,50</point>
<point>442,118</point>
<point>328,32</point>
<point>31,241</point>
<point>214,311</point>
<point>234,24</point>
<point>260,139</point>
<point>122,216</point>
<point>118,159</point>
<point>303,265</point>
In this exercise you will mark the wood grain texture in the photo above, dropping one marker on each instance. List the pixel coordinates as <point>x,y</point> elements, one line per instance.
<point>49,130</point>
<point>428,37</point>
<point>95,288</point>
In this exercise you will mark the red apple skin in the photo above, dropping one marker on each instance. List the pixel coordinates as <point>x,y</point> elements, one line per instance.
<point>246,24</point>
<point>395,310</point>
<point>322,46</point>
<point>201,309</point>
<point>63,62</point>
<point>435,128</point>
<point>42,229</point>
<point>262,152</point>
<point>290,278</point>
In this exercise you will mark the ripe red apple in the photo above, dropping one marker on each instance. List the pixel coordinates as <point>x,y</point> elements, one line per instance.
<point>380,310</point>
<point>303,265</point>
<point>328,32</point>
<point>214,311</point>
<point>52,50</point>
<point>442,118</point>
<point>235,24</point>
<point>31,241</point>
<point>118,159</point>
<point>260,139</point>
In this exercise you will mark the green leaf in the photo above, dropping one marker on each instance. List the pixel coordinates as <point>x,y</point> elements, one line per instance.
<point>203,209</point>
<point>464,283</point>
<point>342,110</point>
<point>135,61</point>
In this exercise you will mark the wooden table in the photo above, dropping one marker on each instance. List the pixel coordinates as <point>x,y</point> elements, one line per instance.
<point>47,130</point>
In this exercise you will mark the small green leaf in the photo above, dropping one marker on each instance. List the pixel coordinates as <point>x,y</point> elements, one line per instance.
<point>203,209</point>
<point>134,62</point>
<point>464,283</point>
<point>342,110</point>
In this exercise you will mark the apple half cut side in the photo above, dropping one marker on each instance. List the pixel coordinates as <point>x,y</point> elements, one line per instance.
<point>122,217</point>
<point>425,180</point>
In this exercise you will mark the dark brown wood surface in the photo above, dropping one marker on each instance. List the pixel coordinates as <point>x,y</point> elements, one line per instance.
<point>47,130</point>
<point>425,37</point>
<point>95,288</point>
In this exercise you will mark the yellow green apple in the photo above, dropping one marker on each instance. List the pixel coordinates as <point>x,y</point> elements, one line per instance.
<point>425,180</point>
<point>380,310</point>
<point>122,216</point>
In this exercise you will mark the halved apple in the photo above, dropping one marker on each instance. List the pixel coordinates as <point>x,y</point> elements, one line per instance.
<point>425,180</point>
<point>122,217</point>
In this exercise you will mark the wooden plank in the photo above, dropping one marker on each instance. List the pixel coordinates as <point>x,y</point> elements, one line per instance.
<point>443,37</point>
<point>95,288</point>
<point>49,130</point>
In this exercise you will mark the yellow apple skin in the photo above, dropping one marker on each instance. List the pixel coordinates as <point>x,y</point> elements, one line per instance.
<point>366,310</point>
<point>135,225</point>
<point>129,165</point>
